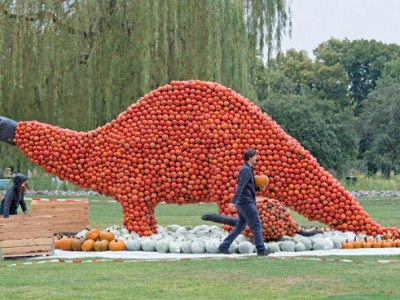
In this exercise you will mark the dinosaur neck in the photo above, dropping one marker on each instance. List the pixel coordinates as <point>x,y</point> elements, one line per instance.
<point>62,152</point>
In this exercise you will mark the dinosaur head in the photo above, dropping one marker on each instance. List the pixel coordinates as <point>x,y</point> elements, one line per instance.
<point>7,130</point>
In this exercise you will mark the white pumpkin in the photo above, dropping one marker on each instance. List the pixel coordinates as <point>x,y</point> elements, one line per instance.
<point>212,246</point>
<point>246,247</point>
<point>132,245</point>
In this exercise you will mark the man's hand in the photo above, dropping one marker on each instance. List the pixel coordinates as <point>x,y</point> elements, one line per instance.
<point>26,212</point>
<point>231,205</point>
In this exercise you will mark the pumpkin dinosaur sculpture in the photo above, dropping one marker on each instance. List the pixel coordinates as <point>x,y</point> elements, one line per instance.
<point>183,143</point>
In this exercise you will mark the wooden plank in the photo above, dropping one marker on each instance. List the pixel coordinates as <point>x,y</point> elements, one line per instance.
<point>18,251</point>
<point>25,219</point>
<point>25,235</point>
<point>58,205</point>
<point>27,227</point>
<point>27,242</point>
<point>62,214</point>
<point>69,229</point>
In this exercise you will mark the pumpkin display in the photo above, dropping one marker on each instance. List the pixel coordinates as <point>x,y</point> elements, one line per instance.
<point>183,143</point>
<point>261,180</point>
<point>116,245</point>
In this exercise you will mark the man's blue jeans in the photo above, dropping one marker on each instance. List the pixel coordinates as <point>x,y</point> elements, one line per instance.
<point>247,213</point>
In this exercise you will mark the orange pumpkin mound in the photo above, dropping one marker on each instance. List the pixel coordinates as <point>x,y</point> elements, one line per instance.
<point>261,180</point>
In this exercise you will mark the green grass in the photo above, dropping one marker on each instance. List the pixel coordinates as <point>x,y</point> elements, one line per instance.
<point>372,183</point>
<point>250,278</point>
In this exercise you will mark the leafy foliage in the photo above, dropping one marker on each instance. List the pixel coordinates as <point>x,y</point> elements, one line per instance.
<point>78,64</point>
<point>363,61</point>
<point>380,125</point>
<point>319,126</point>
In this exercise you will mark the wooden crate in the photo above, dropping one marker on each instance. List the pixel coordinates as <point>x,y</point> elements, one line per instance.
<point>69,215</point>
<point>26,235</point>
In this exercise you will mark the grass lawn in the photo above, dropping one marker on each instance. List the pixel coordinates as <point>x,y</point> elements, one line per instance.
<point>250,278</point>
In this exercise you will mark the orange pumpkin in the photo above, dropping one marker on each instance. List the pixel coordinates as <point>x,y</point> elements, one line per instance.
<point>57,242</point>
<point>347,245</point>
<point>93,234</point>
<point>356,243</point>
<point>261,180</point>
<point>66,243</point>
<point>365,243</point>
<point>88,245</point>
<point>377,243</point>
<point>106,235</point>
<point>117,245</point>
<point>386,244</point>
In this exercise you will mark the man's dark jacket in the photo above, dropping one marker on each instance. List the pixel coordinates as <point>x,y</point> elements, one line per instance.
<point>13,199</point>
<point>245,189</point>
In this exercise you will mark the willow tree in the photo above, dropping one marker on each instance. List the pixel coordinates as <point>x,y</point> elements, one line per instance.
<point>78,64</point>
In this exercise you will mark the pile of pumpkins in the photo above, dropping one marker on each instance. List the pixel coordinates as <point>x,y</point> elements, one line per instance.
<point>204,239</point>
<point>89,240</point>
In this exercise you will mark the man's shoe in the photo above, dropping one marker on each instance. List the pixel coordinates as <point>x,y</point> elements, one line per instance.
<point>265,253</point>
<point>223,251</point>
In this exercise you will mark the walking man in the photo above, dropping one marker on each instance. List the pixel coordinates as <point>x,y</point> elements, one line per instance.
<point>245,201</point>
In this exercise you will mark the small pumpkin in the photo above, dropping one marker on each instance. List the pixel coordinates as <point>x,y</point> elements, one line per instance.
<point>66,243</point>
<point>77,244</point>
<point>88,245</point>
<point>366,243</point>
<point>377,243</point>
<point>100,245</point>
<point>117,245</point>
<point>386,244</point>
<point>57,242</point>
<point>356,243</point>
<point>106,235</point>
<point>260,180</point>
<point>347,245</point>
<point>93,234</point>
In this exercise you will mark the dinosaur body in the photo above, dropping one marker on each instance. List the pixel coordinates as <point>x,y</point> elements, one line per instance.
<point>183,143</point>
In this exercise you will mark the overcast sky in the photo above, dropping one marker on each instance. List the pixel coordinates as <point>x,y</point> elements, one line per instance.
<point>316,21</point>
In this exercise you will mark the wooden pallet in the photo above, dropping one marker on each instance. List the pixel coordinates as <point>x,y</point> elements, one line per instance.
<point>69,215</point>
<point>26,235</point>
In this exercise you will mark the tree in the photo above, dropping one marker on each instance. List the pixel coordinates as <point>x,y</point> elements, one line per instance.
<point>319,126</point>
<point>79,63</point>
<point>363,61</point>
<point>379,127</point>
<point>306,77</point>
<point>310,101</point>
